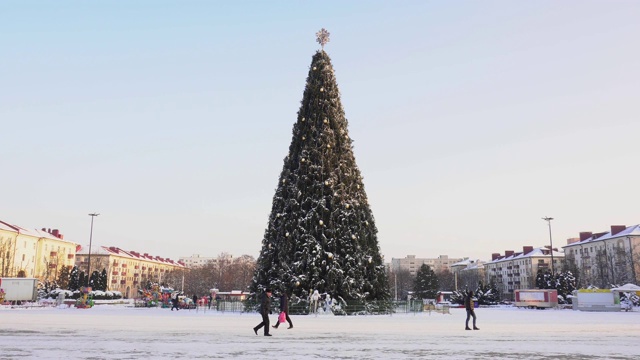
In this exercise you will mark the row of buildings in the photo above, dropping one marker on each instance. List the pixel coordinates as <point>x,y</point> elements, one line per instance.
<point>598,259</point>
<point>43,253</point>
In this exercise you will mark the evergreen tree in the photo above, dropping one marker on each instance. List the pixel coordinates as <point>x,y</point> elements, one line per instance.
<point>82,281</point>
<point>565,284</point>
<point>487,294</point>
<point>73,279</point>
<point>321,233</point>
<point>94,281</point>
<point>63,278</point>
<point>426,284</point>
<point>103,280</point>
<point>544,280</point>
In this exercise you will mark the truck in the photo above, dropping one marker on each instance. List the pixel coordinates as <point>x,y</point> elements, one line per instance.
<point>536,298</point>
<point>19,289</point>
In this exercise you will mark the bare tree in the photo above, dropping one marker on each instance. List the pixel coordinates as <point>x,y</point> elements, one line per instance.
<point>469,279</point>
<point>400,282</point>
<point>242,270</point>
<point>7,257</point>
<point>446,280</point>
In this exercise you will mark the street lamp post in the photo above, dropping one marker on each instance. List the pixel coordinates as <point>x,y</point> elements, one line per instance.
<point>90,240</point>
<point>548,220</point>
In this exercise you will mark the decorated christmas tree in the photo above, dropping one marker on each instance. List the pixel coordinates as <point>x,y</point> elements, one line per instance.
<point>321,233</point>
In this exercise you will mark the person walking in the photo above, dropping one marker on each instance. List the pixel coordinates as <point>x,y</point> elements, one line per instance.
<point>195,301</point>
<point>265,310</point>
<point>175,301</point>
<point>210,300</point>
<point>284,308</point>
<point>468,304</point>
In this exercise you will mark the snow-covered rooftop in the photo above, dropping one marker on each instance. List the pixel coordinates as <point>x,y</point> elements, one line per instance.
<point>633,230</point>
<point>537,252</point>
<point>116,251</point>
<point>31,232</point>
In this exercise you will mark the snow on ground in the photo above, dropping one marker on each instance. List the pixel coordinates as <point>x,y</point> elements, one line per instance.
<point>118,332</point>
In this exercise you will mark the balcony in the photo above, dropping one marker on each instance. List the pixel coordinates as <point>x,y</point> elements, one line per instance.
<point>53,253</point>
<point>52,266</point>
<point>144,268</point>
<point>124,266</point>
<point>123,273</point>
<point>70,256</point>
<point>114,273</point>
<point>122,282</point>
<point>136,267</point>
<point>114,281</point>
<point>136,274</point>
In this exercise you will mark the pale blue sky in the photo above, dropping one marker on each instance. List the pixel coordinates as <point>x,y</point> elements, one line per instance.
<point>471,120</point>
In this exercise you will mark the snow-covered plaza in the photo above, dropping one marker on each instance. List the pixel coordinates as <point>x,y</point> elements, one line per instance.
<point>119,332</point>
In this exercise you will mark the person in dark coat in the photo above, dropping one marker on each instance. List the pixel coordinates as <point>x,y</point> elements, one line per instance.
<point>468,304</point>
<point>284,307</point>
<point>195,301</point>
<point>265,310</point>
<point>210,300</point>
<point>175,302</point>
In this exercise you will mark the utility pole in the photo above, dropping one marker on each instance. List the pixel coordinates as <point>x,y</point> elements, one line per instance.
<point>548,220</point>
<point>90,240</point>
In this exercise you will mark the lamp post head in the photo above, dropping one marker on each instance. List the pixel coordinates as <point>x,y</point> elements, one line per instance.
<point>94,214</point>
<point>547,218</point>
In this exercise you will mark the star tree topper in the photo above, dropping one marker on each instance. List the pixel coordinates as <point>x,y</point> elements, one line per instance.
<point>322,37</point>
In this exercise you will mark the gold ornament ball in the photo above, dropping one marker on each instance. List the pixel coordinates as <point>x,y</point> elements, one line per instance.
<point>314,68</point>
<point>328,146</point>
<point>321,89</point>
<point>330,256</point>
<point>302,120</point>
<point>304,138</point>
<point>353,237</point>
<point>348,206</point>
<point>287,234</point>
<point>326,183</point>
<point>321,222</point>
<point>326,121</point>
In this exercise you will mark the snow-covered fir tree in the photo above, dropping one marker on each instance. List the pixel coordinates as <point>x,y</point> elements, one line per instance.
<point>94,281</point>
<point>74,281</point>
<point>544,280</point>
<point>565,284</point>
<point>321,233</point>
<point>426,283</point>
<point>102,285</point>
<point>487,294</point>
